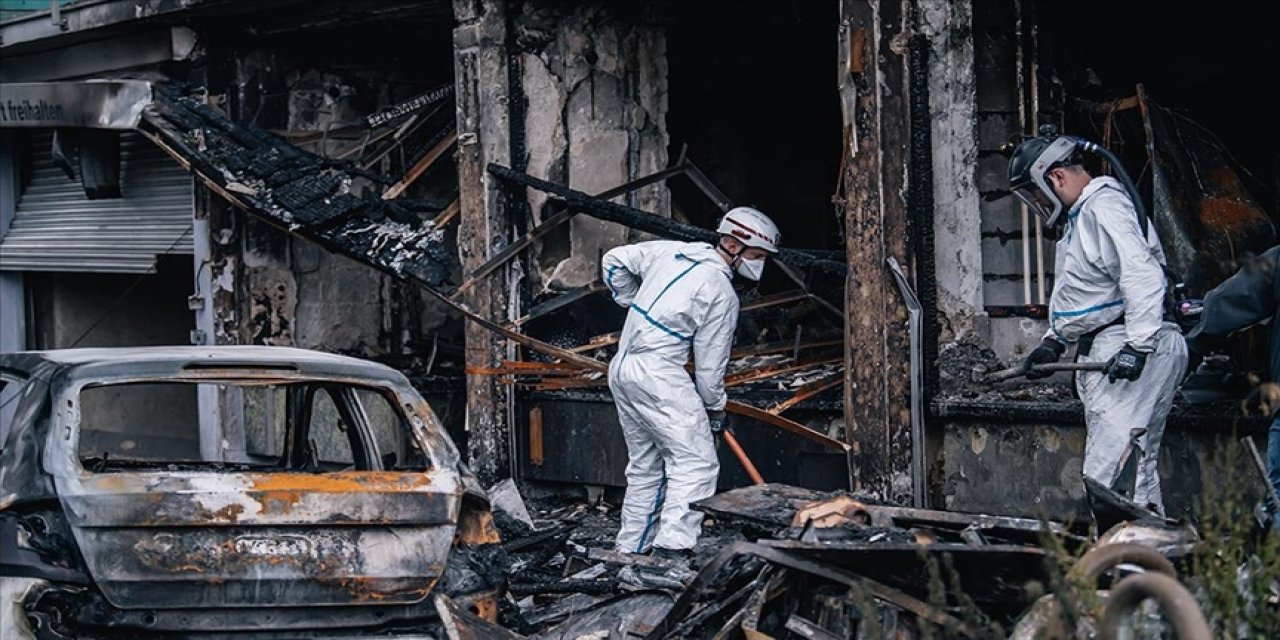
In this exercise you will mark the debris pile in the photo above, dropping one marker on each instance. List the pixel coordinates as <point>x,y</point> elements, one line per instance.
<point>780,561</point>
<point>962,366</point>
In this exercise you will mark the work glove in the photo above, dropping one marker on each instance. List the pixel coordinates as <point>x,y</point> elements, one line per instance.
<point>716,418</point>
<point>1048,351</point>
<point>1126,364</point>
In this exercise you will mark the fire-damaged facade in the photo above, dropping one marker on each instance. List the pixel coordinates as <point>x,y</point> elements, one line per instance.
<point>432,185</point>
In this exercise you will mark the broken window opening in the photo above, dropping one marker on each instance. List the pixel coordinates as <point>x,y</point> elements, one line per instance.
<point>308,427</point>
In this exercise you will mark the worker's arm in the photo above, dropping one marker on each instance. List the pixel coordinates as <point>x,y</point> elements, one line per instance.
<point>1126,256</point>
<point>712,343</point>
<point>622,270</point>
<point>1245,299</point>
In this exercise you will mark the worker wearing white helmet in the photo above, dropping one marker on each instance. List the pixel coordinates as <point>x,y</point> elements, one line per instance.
<point>681,300</point>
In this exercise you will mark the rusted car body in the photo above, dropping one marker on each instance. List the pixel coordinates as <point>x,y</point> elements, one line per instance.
<point>227,491</point>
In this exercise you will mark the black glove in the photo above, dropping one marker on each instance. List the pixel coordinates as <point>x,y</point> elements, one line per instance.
<point>1126,364</point>
<point>716,418</point>
<point>1048,351</point>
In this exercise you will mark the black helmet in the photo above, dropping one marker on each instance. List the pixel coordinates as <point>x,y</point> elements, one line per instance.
<point>1029,164</point>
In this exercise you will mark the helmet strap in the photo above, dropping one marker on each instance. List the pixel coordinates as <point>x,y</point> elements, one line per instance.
<point>733,257</point>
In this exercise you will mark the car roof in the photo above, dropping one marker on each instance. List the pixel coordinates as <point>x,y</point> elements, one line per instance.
<point>149,361</point>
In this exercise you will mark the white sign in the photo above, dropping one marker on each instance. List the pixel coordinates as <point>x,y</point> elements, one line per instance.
<point>95,104</point>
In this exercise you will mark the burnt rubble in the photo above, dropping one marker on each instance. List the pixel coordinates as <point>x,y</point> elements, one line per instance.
<point>775,559</point>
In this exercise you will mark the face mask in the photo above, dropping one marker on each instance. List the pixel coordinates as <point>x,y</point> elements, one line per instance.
<point>751,269</point>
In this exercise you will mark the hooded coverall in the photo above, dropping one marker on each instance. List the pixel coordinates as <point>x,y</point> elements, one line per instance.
<point>1110,280</point>
<point>1251,296</point>
<point>680,298</point>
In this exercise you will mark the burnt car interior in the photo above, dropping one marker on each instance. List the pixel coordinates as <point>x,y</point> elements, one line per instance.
<point>306,427</point>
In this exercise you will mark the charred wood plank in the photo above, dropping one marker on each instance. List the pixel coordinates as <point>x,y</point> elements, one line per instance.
<point>773,371</point>
<point>450,212</point>
<point>808,391</point>
<point>873,84</point>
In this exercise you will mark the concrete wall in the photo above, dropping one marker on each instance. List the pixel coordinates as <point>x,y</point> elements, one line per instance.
<point>1032,467</point>
<point>283,290</point>
<point>957,214</point>
<point>594,77</point>
<point>113,310</point>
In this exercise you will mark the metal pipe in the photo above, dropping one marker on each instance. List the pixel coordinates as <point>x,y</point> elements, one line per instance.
<point>1035,126</point>
<point>1020,71</point>
<point>1176,603</point>
<point>55,14</point>
<point>914,326</point>
<point>1051,367</point>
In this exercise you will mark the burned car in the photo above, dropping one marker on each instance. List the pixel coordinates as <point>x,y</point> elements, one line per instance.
<point>228,491</point>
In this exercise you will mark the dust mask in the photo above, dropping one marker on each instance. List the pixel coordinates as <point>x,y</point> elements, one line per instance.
<point>751,269</point>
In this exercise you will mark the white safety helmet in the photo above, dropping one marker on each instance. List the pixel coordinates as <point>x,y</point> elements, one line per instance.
<point>751,228</point>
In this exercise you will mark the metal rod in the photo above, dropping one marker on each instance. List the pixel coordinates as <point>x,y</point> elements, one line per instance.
<point>915,325</point>
<point>1272,500</point>
<point>706,186</point>
<point>1035,126</point>
<point>1022,119</point>
<point>1052,367</point>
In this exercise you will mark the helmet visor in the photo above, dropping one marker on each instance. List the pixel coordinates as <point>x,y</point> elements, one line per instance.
<point>1038,201</point>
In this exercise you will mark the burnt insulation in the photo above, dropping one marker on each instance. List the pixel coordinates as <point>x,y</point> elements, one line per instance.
<point>301,192</point>
<point>920,206</point>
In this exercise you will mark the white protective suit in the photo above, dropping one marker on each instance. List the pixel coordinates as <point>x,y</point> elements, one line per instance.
<point>680,298</point>
<point>1107,270</point>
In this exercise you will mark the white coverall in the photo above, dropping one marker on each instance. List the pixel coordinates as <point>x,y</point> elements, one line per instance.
<point>1106,269</point>
<point>680,298</point>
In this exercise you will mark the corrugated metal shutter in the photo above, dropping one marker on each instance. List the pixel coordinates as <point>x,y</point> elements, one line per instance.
<point>56,228</point>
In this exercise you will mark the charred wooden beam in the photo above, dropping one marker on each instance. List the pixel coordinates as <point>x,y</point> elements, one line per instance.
<point>483,103</point>
<point>643,220</point>
<point>808,391</point>
<point>872,87</point>
<point>773,371</point>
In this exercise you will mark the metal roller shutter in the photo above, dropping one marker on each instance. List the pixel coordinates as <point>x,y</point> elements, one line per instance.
<point>56,228</point>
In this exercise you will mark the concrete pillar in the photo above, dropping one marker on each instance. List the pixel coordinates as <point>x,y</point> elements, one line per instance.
<point>948,25</point>
<point>594,77</point>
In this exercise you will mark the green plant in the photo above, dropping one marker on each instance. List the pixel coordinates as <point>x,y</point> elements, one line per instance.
<point>1236,567</point>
